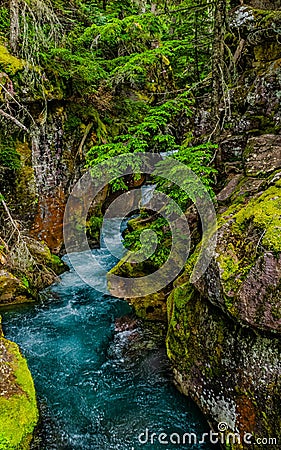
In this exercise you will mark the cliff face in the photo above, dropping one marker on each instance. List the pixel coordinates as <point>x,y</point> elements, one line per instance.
<point>224,331</point>
<point>47,161</point>
<point>40,160</point>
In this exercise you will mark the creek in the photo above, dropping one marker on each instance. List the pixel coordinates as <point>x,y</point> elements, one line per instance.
<point>97,388</point>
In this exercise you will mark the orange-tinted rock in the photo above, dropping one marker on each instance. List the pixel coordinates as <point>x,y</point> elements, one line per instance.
<point>48,223</point>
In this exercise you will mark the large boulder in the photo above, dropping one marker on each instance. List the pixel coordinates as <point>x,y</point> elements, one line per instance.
<point>18,406</point>
<point>244,278</point>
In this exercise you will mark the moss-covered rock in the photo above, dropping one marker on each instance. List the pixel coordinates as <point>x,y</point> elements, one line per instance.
<point>27,269</point>
<point>244,278</point>
<point>216,328</point>
<point>230,371</point>
<point>42,254</point>
<point>12,289</point>
<point>151,307</point>
<point>18,406</point>
<point>9,63</point>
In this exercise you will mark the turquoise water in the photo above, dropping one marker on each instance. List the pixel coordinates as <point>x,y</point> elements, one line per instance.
<point>98,389</point>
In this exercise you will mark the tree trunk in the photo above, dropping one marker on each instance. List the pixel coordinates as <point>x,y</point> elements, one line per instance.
<point>218,55</point>
<point>196,41</point>
<point>14,26</point>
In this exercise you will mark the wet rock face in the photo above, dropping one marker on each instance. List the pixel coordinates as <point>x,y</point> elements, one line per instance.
<point>224,331</point>
<point>259,298</point>
<point>54,158</point>
<point>256,99</point>
<point>230,371</point>
<point>48,222</point>
<point>262,155</point>
<point>49,157</point>
<point>142,343</point>
<point>18,408</point>
<point>126,323</point>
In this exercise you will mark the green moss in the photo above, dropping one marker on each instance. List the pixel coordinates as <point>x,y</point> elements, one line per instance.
<point>4,20</point>
<point>72,123</point>
<point>151,307</point>
<point>18,411</point>
<point>267,125</point>
<point>9,63</point>
<point>25,281</point>
<point>179,331</point>
<point>234,269</point>
<point>249,227</point>
<point>94,225</point>
<point>9,157</point>
<point>185,313</point>
<point>266,18</point>
<point>128,268</point>
<point>57,264</point>
<point>264,214</point>
<point>229,263</point>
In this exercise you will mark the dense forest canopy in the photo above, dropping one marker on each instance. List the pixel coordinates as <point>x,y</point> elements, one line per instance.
<point>133,71</point>
<point>97,50</point>
<point>131,66</point>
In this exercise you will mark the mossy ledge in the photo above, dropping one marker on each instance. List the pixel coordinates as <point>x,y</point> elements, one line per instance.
<point>149,307</point>
<point>18,405</point>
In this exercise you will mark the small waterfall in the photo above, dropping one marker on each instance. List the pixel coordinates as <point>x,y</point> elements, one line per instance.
<point>147,192</point>
<point>168,153</point>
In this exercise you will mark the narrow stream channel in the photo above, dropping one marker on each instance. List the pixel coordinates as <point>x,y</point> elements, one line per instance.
<point>98,390</point>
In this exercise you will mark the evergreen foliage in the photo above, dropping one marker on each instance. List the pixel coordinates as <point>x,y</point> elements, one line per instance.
<point>130,66</point>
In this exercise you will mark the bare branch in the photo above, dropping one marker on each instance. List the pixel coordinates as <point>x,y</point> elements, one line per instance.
<point>17,103</point>
<point>87,131</point>
<point>13,119</point>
